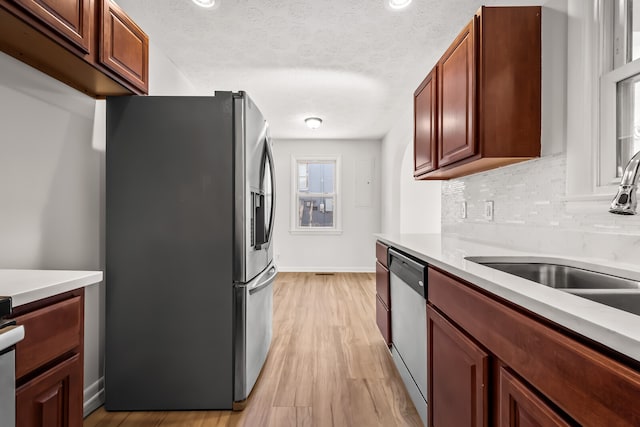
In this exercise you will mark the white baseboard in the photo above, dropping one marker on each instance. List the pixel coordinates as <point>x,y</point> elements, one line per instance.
<point>93,397</point>
<point>367,269</point>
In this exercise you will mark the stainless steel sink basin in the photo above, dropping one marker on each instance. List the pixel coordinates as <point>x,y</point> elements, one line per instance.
<point>559,274</point>
<point>626,301</point>
<point>601,284</point>
<point>564,276</point>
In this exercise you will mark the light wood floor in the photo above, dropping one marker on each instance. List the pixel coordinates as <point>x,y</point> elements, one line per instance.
<point>328,365</point>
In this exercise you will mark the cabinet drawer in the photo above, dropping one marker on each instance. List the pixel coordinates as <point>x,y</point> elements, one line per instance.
<point>53,398</point>
<point>383,319</point>
<point>381,253</point>
<point>382,284</point>
<point>50,332</point>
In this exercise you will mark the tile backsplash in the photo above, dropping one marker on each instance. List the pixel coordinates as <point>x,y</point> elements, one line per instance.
<point>530,212</point>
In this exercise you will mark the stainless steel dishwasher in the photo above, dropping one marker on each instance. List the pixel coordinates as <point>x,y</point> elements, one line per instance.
<point>409,326</point>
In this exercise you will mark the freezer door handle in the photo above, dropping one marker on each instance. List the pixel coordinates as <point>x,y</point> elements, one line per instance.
<point>265,280</point>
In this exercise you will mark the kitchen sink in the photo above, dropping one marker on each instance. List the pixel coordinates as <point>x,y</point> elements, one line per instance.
<point>622,300</point>
<point>597,283</point>
<point>563,276</point>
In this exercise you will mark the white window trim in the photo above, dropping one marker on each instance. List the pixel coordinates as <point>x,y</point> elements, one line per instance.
<point>293,223</point>
<point>591,103</point>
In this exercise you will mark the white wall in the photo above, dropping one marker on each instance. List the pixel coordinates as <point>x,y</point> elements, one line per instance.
<point>354,249</point>
<point>52,183</point>
<point>408,206</point>
<point>419,200</point>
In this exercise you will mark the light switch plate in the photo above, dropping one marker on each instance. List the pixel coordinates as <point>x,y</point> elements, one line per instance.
<point>463,210</point>
<point>488,210</point>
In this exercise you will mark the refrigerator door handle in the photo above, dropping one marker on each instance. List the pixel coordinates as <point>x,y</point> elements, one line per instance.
<point>264,281</point>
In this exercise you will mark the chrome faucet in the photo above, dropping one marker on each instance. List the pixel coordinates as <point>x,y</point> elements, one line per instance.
<point>625,201</point>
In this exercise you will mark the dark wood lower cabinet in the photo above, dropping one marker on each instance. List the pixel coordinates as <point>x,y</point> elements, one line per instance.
<point>519,406</point>
<point>52,399</point>
<point>383,320</point>
<point>49,362</point>
<point>383,293</point>
<point>541,374</point>
<point>458,376</point>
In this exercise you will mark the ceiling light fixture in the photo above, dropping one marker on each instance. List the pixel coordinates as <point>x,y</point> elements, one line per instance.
<point>205,3</point>
<point>399,4</point>
<point>313,122</point>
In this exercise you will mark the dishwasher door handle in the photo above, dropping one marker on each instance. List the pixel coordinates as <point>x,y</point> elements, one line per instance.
<point>10,336</point>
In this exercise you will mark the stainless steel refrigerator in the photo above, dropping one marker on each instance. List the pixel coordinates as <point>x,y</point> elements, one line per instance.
<point>189,259</point>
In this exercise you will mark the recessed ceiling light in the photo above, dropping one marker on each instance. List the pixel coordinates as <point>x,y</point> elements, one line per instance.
<point>313,122</point>
<point>209,3</point>
<point>398,4</point>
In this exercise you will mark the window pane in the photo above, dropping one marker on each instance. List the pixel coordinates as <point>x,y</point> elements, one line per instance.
<point>315,211</point>
<point>628,122</point>
<point>634,5</point>
<point>303,177</point>
<point>316,177</point>
<point>626,29</point>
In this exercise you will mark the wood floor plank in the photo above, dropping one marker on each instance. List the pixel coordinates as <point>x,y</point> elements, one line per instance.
<point>282,417</point>
<point>328,365</point>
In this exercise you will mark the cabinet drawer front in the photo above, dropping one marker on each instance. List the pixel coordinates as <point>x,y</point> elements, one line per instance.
<point>381,253</point>
<point>53,398</point>
<point>69,18</point>
<point>603,392</point>
<point>383,319</point>
<point>382,284</point>
<point>50,332</point>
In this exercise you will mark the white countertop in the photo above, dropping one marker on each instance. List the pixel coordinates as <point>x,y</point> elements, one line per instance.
<point>614,328</point>
<point>25,286</point>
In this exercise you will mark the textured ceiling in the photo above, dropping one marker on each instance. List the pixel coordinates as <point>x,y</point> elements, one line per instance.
<point>353,63</point>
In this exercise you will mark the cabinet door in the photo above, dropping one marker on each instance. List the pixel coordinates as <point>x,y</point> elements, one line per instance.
<point>456,99</point>
<point>382,284</point>
<point>69,18</point>
<point>520,407</point>
<point>458,376</point>
<point>425,123</point>
<point>52,399</point>
<point>124,47</point>
<point>383,320</point>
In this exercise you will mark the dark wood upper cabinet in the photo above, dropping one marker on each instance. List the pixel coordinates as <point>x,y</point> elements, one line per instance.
<point>488,96</point>
<point>456,98</point>
<point>458,373</point>
<point>425,119</point>
<point>72,19</point>
<point>124,47</point>
<point>66,40</point>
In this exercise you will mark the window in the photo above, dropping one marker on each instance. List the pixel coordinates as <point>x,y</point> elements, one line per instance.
<point>620,88</point>
<point>316,203</point>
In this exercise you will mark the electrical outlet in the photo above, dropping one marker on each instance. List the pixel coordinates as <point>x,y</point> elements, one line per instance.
<point>488,210</point>
<point>463,210</point>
